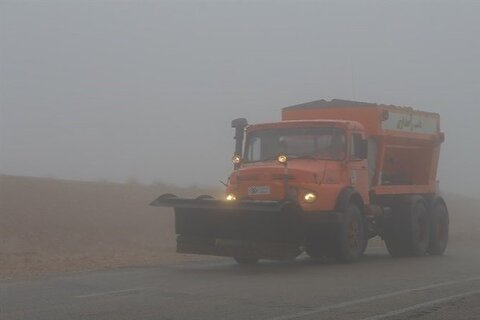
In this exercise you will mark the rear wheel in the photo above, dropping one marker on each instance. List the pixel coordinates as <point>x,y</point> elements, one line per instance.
<point>351,236</point>
<point>420,229</point>
<point>439,229</point>
<point>408,232</point>
<point>396,243</point>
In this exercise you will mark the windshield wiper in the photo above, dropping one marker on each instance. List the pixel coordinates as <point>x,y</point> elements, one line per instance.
<point>305,156</point>
<point>261,160</point>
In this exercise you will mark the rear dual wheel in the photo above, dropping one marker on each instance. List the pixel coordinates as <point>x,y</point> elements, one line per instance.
<point>439,229</point>
<point>408,231</point>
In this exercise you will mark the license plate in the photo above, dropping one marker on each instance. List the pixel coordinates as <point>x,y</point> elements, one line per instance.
<point>253,191</point>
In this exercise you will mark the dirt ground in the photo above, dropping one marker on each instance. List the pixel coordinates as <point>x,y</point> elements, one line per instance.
<point>56,226</point>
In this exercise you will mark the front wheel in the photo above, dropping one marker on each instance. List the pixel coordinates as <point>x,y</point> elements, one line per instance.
<point>351,236</point>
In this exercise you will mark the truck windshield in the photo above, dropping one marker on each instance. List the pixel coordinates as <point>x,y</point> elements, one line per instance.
<point>317,143</point>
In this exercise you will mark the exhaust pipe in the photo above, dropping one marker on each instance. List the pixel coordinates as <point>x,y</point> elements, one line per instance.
<point>239,126</point>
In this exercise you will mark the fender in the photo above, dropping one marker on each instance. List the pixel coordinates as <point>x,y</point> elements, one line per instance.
<point>347,195</point>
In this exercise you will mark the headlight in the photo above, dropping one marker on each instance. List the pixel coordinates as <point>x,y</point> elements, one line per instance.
<point>310,197</point>
<point>282,159</point>
<point>236,159</point>
<point>230,197</point>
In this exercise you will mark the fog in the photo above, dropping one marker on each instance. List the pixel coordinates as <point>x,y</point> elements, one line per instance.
<point>146,90</point>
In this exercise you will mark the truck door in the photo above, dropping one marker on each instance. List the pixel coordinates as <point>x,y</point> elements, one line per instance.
<point>357,165</point>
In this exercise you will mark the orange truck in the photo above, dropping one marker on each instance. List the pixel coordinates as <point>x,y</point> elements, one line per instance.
<point>327,178</point>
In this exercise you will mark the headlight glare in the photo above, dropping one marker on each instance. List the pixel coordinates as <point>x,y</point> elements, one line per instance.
<point>310,197</point>
<point>230,197</point>
<point>236,159</point>
<point>282,159</point>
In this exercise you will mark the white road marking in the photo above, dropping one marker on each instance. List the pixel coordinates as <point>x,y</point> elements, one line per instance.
<point>369,299</point>
<point>422,305</point>
<point>112,293</point>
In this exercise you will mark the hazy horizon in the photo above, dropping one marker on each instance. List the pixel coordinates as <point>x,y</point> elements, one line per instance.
<point>146,90</point>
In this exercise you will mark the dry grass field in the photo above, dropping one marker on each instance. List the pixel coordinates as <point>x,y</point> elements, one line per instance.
<point>55,225</point>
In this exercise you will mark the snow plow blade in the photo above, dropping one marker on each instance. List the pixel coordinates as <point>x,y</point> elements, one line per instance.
<point>264,229</point>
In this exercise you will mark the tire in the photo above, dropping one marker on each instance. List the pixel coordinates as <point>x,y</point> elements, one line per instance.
<point>420,229</point>
<point>246,260</point>
<point>351,236</point>
<point>395,236</point>
<point>408,232</point>
<point>397,245</point>
<point>439,229</point>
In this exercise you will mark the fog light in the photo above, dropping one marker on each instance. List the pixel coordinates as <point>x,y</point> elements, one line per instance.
<point>230,197</point>
<point>310,197</point>
<point>282,159</point>
<point>236,159</point>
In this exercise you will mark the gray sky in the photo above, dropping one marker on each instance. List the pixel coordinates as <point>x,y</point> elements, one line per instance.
<point>112,90</point>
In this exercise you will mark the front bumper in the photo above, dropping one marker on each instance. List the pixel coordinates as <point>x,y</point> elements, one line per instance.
<point>264,229</point>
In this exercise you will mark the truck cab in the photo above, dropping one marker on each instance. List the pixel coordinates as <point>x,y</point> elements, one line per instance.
<point>308,162</point>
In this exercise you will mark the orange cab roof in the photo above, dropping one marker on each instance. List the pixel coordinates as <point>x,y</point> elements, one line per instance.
<point>346,124</point>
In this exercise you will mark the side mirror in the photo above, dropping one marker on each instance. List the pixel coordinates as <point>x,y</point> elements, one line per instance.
<point>239,123</point>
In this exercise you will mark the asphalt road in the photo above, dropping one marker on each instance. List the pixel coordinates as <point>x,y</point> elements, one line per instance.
<point>378,287</point>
